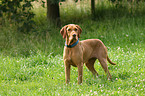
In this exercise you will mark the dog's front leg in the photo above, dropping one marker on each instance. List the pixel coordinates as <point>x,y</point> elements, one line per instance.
<point>67,72</point>
<point>80,73</point>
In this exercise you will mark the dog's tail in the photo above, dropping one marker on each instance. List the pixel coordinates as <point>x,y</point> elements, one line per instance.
<point>110,61</point>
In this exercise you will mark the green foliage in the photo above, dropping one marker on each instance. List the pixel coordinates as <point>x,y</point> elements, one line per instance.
<point>18,11</point>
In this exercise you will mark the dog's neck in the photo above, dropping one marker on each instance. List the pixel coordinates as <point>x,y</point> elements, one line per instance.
<point>72,45</point>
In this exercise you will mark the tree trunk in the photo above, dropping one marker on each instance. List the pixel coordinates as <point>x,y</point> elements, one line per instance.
<point>53,12</point>
<point>93,8</point>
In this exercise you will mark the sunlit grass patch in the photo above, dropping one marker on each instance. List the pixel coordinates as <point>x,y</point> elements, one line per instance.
<point>72,12</point>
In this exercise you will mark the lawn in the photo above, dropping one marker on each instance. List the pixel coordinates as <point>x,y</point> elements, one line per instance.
<point>32,64</point>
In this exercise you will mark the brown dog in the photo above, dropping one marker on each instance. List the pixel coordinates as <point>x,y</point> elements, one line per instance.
<point>78,52</point>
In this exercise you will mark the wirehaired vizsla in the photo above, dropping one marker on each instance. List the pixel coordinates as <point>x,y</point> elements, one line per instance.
<point>76,52</point>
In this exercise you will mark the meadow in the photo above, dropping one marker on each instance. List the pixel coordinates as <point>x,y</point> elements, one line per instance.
<point>31,64</point>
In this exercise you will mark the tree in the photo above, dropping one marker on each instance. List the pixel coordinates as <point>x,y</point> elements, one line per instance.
<point>93,8</point>
<point>53,13</point>
<point>18,11</point>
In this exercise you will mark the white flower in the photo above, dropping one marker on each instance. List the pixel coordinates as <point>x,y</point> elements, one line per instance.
<point>95,92</point>
<point>90,90</point>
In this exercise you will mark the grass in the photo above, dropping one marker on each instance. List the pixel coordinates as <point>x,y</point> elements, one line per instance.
<point>32,64</point>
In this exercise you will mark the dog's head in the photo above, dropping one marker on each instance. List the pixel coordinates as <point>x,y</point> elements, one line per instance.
<point>71,32</point>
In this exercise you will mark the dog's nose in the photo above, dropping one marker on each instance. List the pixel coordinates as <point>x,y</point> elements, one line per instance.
<point>74,35</point>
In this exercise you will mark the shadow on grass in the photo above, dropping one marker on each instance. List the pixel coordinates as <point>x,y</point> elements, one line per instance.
<point>103,79</point>
<point>124,75</point>
<point>98,80</point>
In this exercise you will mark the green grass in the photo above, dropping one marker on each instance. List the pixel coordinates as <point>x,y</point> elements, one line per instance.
<point>32,64</point>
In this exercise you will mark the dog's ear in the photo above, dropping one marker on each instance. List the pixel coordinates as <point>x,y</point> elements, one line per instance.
<point>63,31</point>
<point>80,30</point>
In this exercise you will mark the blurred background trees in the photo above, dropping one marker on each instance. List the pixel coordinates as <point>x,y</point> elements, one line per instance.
<point>19,11</point>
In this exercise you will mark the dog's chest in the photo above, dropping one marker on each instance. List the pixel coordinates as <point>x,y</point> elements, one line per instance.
<point>72,56</point>
<point>67,54</point>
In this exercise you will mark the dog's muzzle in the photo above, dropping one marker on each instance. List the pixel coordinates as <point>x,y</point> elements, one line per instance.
<point>74,35</point>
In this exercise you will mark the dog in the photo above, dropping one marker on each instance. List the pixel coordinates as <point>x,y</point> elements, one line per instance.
<point>76,53</point>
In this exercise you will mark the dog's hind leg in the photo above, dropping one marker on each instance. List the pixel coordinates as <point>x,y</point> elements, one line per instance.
<point>103,62</point>
<point>90,66</point>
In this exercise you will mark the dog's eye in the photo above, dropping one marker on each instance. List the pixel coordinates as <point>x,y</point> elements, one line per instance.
<point>76,29</point>
<point>69,29</point>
